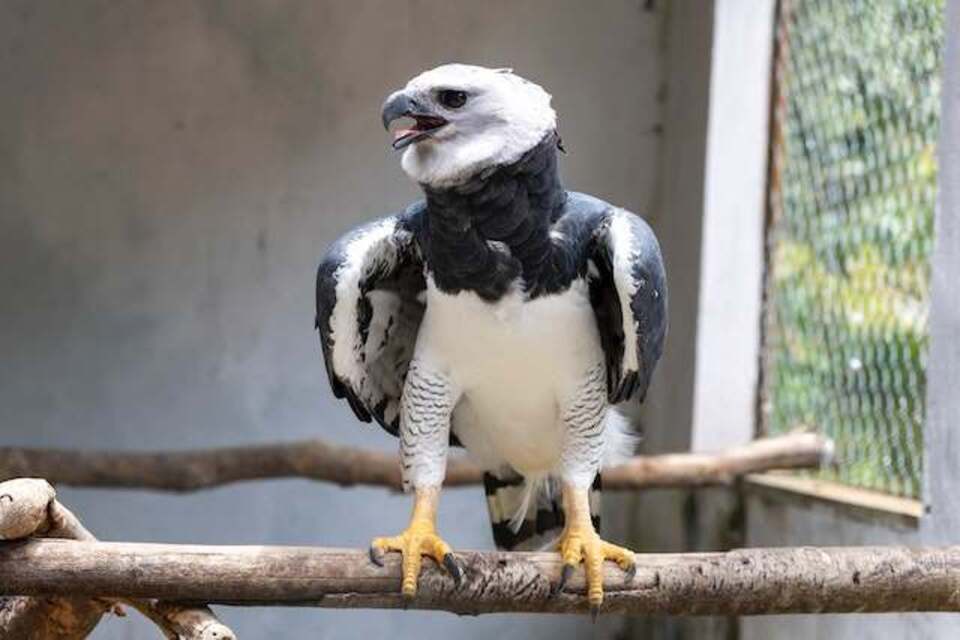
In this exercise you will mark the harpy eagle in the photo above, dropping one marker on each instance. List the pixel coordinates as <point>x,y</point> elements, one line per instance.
<point>501,313</point>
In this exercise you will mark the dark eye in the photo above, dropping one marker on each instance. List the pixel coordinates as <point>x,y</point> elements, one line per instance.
<point>451,98</point>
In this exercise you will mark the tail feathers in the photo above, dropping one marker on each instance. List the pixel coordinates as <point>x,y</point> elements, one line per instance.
<point>526,514</point>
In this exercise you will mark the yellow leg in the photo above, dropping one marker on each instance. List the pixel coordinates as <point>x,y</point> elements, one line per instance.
<point>419,539</point>
<point>579,542</point>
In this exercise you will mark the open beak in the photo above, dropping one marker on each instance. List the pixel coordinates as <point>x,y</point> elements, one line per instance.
<point>400,105</point>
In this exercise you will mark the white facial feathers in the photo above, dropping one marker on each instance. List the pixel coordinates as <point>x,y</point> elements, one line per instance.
<point>503,117</point>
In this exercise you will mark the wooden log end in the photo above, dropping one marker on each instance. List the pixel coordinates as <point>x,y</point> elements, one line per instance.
<point>23,506</point>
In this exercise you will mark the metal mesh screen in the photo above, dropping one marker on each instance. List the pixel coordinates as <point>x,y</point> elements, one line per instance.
<point>852,193</point>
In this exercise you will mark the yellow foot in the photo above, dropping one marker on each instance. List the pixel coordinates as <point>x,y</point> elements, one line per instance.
<point>580,543</point>
<point>420,539</point>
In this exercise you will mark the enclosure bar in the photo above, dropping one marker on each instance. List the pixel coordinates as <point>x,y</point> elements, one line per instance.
<point>741,582</point>
<point>345,466</point>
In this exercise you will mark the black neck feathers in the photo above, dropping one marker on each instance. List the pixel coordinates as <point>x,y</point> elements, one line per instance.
<point>483,234</point>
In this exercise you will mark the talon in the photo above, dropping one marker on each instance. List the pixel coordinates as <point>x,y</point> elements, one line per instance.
<point>565,574</point>
<point>454,567</point>
<point>418,540</point>
<point>630,573</point>
<point>580,543</point>
<point>594,612</point>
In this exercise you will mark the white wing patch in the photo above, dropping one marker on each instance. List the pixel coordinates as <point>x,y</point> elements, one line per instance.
<point>366,253</point>
<point>624,255</point>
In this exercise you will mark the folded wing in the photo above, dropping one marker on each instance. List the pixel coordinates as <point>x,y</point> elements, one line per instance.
<point>628,291</point>
<point>370,301</point>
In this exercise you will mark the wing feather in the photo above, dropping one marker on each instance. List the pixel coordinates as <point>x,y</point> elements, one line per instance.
<point>369,309</point>
<point>629,296</point>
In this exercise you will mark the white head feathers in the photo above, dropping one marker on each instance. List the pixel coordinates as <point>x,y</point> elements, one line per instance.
<point>502,117</point>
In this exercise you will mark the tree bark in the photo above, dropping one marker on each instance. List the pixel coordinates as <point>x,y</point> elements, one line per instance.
<point>345,466</point>
<point>55,618</point>
<point>742,582</point>
<point>29,508</point>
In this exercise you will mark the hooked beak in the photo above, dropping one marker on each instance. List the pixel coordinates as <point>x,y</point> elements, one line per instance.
<point>401,105</point>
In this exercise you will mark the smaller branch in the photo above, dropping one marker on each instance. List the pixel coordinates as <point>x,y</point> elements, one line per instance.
<point>799,450</point>
<point>182,622</point>
<point>63,524</point>
<point>50,618</point>
<point>29,508</point>
<point>346,466</point>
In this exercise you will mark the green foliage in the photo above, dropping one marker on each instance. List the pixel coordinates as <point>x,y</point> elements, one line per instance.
<point>852,233</point>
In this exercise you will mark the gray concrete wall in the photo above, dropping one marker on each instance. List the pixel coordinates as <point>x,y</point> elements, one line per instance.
<point>170,173</point>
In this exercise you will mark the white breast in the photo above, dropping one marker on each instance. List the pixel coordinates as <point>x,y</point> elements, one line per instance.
<point>516,362</point>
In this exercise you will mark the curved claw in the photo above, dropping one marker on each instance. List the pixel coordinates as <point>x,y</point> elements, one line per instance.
<point>454,567</point>
<point>594,612</point>
<point>565,574</point>
<point>630,573</point>
<point>376,556</point>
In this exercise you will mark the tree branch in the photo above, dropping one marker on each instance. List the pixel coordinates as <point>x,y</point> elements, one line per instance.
<point>28,508</point>
<point>345,466</point>
<point>742,582</point>
<point>60,618</point>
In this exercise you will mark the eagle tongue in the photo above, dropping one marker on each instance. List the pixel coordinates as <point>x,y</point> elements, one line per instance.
<point>406,137</point>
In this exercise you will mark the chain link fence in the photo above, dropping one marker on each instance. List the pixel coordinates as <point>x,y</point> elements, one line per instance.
<point>852,193</point>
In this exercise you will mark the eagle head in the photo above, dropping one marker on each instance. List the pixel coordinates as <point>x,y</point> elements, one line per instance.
<point>463,119</point>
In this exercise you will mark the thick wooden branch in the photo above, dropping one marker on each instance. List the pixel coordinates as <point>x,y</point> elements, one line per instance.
<point>28,509</point>
<point>742,582</point>
<point>318,460</point>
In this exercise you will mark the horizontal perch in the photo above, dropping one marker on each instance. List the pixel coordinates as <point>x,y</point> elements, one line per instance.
<point>318,460</point>
<point>742,582</point>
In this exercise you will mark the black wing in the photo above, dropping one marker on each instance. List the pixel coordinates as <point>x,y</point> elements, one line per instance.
<point>370,301</point>
<point>628,291</point>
